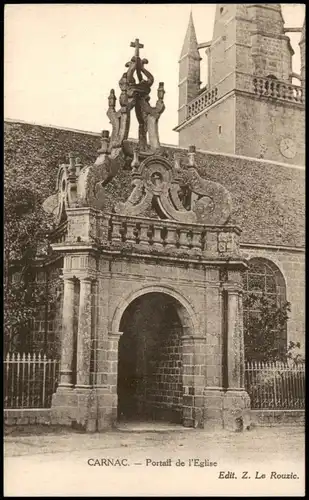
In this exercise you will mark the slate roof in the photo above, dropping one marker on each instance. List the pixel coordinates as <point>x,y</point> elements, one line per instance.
<point>268,198</point>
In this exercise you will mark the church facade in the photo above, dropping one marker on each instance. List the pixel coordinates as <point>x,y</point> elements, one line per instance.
<point>154,246</point>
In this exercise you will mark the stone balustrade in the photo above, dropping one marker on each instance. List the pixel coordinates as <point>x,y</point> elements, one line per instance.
<point>201,102</point>
<point>270,87</point>
<point>172,237</point>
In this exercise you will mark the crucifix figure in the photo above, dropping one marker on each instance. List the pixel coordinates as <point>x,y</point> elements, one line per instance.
<point>137,46</point>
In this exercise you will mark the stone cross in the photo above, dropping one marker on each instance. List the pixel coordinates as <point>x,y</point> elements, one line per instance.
<point>137,46</point>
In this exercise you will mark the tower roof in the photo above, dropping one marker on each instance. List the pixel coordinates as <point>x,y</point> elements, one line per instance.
<point>190,42</point>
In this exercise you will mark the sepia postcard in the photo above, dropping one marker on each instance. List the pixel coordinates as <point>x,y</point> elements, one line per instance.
<point>154,260</point>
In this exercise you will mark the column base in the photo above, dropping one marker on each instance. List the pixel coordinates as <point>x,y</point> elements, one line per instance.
<point>84,408</point>
<point>63,406</point>
<point>226,409</point>
<point>213,408</point>
<point>236,410</point>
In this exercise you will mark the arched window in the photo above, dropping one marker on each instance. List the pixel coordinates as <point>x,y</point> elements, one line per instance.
<point>263,279</point>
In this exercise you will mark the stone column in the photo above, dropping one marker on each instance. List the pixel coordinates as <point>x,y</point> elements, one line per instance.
<point>213,393</point>
<point>241,341</point>
<point>236,406</point>
<point>84,334</point>
<point>67,347</point>
<point>107,395</point>
<point>233,335</point>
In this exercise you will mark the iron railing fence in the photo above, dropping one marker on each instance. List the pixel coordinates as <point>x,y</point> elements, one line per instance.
<point>29,380</point>
<point>275,385</point>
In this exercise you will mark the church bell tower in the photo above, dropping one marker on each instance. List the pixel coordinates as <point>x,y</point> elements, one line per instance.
<point>250,99</point>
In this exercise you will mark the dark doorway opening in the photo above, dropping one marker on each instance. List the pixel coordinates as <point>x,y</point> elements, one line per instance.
<point>150,360</point>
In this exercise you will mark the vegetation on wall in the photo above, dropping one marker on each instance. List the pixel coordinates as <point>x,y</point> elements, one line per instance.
<point>32,156</point>
<point>265,326</point>
<point>25,230</point>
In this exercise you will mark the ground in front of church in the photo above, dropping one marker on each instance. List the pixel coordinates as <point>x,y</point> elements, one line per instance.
<point>145,460</point>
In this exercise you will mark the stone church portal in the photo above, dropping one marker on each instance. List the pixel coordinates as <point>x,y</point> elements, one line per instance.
<point>152,321</point>
<point>153,267</point>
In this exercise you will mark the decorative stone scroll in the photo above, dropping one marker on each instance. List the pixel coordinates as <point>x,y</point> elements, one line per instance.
<point>181,195</point>
<point>79,186</point>
<point>176,193</point>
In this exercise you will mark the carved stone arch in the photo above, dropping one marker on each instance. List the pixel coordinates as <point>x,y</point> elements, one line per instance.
<point>184,309</point>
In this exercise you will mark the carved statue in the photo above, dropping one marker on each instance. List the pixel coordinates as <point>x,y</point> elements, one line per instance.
<point>136,95</point>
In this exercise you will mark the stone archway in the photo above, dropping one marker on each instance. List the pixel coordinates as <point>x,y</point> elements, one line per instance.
<point>153,361</point>
<point>184,309</point>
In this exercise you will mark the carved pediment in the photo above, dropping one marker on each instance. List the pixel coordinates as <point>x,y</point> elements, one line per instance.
<point>178,194</point>
<point>79,186</point>
<point>159,186</point>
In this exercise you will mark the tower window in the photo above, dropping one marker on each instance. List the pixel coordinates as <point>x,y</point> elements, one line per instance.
<point>221,10</point>
<point>219,129</point>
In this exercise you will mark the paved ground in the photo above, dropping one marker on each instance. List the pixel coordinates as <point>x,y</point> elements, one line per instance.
<point>55,462</point>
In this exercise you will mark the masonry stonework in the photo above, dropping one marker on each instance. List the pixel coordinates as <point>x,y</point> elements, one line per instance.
<point>152,241</point>
<point>249,92</point>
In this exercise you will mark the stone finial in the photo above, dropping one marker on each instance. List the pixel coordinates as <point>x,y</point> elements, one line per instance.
<point>112,99</point>
<point>191,155</point>
<point>177,162</point>
<point>78,165</point>
<point>72,164</point>
<point>161,91</point>
<point>104,142</point>
<point>135,162</point>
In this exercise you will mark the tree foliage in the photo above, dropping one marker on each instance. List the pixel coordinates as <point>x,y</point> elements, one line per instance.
<point>265,327</point>
<point>25,237</point>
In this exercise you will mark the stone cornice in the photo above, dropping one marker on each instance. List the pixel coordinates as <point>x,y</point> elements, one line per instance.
<point>199,261</point>
<point>276,248</point>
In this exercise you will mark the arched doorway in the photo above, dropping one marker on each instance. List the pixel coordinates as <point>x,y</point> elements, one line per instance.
<point>150,359</point>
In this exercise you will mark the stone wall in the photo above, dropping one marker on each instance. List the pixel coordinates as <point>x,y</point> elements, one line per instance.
<point>248,125</point>
<point>269,418</point>
<point>27,416</point>
<point>268,198</point>
<point>46,333</point>
<point>261,124</point>
<point>265,418</point>
<point>211,130</point>
<point>271,54</point>
<point>165,390</point>
<point>150,359</point>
